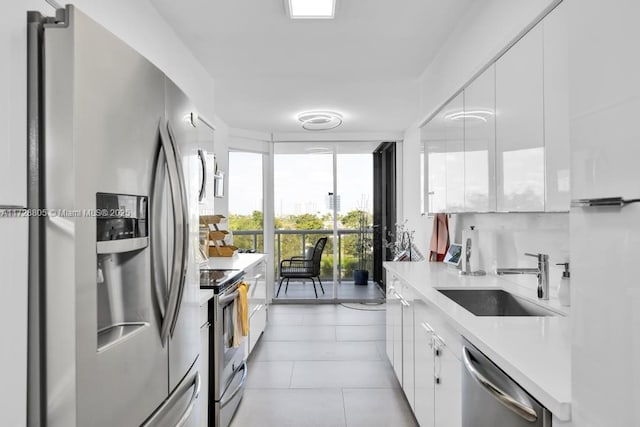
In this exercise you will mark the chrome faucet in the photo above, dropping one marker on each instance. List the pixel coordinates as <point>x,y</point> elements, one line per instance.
<point>542,272</point>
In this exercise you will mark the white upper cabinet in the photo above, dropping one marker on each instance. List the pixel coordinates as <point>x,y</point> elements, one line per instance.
<point>433,140</point>
<point>452,116</point>
<point>520,155</point>
<point>502,144</point>
<point>556,109</point>
<point>480,143</point>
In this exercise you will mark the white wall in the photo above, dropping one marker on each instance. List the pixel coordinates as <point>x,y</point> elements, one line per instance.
<point>411,206</point>
<point>504,238</point>
<point>221,152</point>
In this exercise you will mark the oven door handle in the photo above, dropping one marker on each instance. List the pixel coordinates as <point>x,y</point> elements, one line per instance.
<point>225,400</point>
<point>227,299</point>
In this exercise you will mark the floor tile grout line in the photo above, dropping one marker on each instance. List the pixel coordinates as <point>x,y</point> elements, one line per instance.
<point>344,407</point>
<point>293,366</point>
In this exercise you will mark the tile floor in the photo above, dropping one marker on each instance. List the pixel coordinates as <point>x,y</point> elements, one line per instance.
<point>322,365</point>
<point>347,290</point>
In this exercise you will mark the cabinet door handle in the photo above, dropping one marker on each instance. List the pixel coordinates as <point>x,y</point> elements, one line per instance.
<point>427,327</point>
<point>438,342</point>
<point>206,325</point>
<point>403,301</point>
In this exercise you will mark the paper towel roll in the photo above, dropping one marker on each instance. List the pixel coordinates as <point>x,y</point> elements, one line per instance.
<point>474,260</point>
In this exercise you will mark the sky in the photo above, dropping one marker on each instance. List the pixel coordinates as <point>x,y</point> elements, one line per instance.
<point>302,182</point>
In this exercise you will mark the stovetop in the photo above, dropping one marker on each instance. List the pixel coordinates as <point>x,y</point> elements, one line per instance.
<point>219,280</point>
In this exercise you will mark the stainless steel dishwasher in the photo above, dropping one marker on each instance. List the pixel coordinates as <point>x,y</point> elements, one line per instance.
<point>490,398</point>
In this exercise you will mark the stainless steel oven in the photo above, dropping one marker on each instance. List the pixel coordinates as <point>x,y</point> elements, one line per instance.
<point>227,365</point>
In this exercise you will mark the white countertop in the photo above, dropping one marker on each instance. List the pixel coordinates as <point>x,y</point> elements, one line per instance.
<point>534,351</point>
<point>237,262</point>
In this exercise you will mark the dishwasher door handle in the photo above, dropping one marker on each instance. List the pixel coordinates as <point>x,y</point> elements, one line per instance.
<point>500,395</point>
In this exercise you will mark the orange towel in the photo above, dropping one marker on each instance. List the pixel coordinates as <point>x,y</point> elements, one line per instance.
<point>439,237</point>
<point>241,314</point>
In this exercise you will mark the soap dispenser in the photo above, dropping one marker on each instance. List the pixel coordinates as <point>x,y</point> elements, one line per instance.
<point>564,291</point>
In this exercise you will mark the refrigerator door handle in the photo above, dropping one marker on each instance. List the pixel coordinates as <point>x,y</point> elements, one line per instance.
<point>203,186</point>
<point>184,224</point>
<point>158,280</point>
<point>177,265</point>
<point>500,395</point>
<point>192,402</point>
<point>156,418</point>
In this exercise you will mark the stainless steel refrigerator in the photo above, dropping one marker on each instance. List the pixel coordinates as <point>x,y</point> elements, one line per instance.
<point>114,183</point>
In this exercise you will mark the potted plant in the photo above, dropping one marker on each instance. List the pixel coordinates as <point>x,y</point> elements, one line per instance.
<point>400,244</point>
<point>364,246</point>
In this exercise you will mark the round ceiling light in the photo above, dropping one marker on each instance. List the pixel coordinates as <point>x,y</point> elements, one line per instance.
<point>320,120</point>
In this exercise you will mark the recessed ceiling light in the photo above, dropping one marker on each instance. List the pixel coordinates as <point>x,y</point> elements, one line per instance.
<point>318,150</point>
<point>312,9</point>
<point>320,120</point>
<point>481,115</point>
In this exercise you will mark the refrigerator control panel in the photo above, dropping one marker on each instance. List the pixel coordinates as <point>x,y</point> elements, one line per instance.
<point>121,216</point>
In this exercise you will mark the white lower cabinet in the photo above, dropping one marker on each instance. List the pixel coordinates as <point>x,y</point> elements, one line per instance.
<point>408,362</point>
<point>448,385</point>
<point>424,380</point>
<point>425,353</point>
<point>257,299</point>
<point>394,327</point>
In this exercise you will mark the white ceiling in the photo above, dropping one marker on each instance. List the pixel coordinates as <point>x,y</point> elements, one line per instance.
<point>364,64</point>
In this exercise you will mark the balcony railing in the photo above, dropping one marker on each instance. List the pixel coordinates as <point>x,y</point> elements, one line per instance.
<point>280,235</point>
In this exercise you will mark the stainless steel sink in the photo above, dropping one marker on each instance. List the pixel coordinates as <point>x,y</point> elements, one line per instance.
<point>494,302</point>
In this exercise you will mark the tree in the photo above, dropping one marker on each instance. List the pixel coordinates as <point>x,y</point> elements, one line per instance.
<point>352,218</point>
<point>246,222</point>
<point>253,222</point>
<point>307,222</point>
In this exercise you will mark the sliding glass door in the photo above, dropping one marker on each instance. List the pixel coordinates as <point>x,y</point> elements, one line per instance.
<point>303,216</point>
<point>323,194</point>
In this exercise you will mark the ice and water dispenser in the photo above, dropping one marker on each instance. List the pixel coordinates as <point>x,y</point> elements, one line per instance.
<point>122,239</point>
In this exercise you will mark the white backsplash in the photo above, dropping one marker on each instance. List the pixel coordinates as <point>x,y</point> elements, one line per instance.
<point>504,239</point>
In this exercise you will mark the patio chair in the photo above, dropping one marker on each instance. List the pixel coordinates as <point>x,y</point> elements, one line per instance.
<point>299,267</point>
